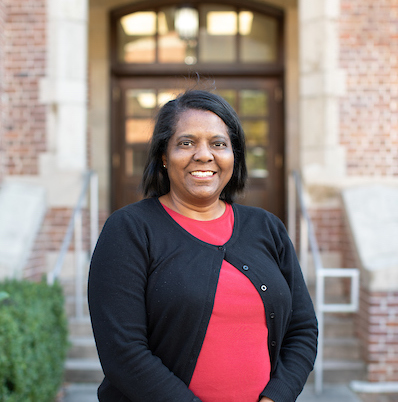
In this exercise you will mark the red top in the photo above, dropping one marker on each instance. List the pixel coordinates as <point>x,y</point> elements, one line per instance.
<point>233,364</point>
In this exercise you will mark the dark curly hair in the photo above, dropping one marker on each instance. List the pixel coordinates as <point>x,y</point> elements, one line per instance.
<point>155,181</point>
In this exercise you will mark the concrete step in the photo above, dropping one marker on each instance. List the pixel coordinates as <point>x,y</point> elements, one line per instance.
<point>80,327</point>
<point>339,325</point>
<point>341,371</point>
<point>83,371</point>
<point>345,348</point>
<point>70,306</point>
<point>342,362</point>
<point>82,347</point>
<point>82,364</point>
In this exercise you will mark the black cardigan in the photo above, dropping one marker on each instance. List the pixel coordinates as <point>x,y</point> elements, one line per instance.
<point>151,293</point>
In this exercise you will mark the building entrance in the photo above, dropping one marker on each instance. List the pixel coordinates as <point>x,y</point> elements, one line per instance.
<point>242,57</point>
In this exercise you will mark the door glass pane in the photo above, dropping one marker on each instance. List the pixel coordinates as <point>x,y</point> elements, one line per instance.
<point>165,95</point>
<point>140,102</point>
<point>176,47</point>
<point>253,102</point>
<point>136,37</point>
<point>256,132</point>
<point>259,38</point>
<point>171,36</point>
<point>135,159</point>
<point>138,131</point>
<point>229,95</point>
<point>217,34</point>
<point>141,105</point>
<point>129,169</point>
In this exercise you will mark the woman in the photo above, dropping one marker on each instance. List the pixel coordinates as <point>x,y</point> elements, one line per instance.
<point>192,297</point>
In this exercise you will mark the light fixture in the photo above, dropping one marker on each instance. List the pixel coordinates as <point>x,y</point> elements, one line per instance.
<point>186,22</point>
<point>147,100</point>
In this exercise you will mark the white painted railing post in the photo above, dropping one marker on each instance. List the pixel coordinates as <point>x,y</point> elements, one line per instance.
<point>320,300</point>
<point>78,264</point>
<point>304,245</point>
<point>93,211</point>
<point>291,214</point>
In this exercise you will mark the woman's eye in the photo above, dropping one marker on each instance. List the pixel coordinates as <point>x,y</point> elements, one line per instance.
<point>220,144</point>
<point>185,143</point>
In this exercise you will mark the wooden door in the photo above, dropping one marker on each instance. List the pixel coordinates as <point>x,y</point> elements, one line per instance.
<point>258,102</point>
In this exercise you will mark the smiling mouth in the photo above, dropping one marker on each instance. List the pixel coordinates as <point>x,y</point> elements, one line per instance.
<point>198,173</point>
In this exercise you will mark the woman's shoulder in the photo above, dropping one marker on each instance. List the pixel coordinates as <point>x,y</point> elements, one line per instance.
<point>139,207</point>
<point>144,210</point>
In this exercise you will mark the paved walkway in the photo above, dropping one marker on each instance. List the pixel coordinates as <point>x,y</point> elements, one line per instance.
<point>331,393</point>
<point>80,393</point>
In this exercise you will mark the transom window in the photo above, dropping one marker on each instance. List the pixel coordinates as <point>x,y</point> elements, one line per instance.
<point>207,33</point>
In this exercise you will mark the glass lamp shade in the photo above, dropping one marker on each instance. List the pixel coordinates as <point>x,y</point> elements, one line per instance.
<point>187,22</point>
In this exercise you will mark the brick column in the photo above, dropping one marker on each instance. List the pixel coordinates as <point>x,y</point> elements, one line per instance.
<point>2,113</point>
<point>23,54</point>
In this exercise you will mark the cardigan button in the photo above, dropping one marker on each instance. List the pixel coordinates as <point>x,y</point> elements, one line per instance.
<point>273,343</point>
<point>272,315</point>
<point>263,288</point>
<point>221,248</point>
<point>245,268</point>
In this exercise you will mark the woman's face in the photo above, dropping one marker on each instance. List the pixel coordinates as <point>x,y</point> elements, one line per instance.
<point>199,157</point>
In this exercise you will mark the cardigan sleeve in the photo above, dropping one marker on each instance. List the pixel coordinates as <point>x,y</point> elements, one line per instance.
<point>299,344</point>
<point>116,293</point>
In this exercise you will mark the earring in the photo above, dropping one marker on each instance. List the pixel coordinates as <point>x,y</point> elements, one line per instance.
<point>164,166</point>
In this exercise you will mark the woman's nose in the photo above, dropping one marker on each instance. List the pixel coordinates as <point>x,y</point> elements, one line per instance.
<point>203,153</point>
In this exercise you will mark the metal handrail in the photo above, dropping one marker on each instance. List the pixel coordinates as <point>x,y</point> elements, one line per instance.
<point>308,238</point>
<point>75,227</point>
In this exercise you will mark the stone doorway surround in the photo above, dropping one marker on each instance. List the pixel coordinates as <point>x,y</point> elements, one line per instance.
<point>78,44</point>
<point>79,39</point>
<point>314,83</point>
<point>99,84</point>
<point>322,83</point>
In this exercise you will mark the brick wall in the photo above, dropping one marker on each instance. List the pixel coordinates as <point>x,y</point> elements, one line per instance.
<point>49,239</point>
<point>369,111</point>
<point>378,330</point>
<point>2,113</point>
<point>328,227</point>
<point>51,236</point>
<point>23,64</point>
<point>369,133</point>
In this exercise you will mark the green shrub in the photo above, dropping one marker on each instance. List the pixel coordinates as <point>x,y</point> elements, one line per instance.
<point>33,341</point>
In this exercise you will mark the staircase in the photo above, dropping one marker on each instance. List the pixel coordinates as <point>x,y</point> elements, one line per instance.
<point>342,362</point>
<point>82,364</point>
<point>342,355</point>
<point>342,350</point>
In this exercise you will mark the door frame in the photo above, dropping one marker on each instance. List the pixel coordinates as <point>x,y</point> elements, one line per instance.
<point>267,71</point>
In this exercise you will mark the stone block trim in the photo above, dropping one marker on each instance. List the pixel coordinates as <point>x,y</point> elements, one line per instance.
<point>23,63</point>
<point>369,110</point>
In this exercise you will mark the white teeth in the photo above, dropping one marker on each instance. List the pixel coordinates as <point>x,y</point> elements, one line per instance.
<point>202,174</point>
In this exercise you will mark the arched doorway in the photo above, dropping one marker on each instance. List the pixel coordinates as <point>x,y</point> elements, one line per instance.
<point>155,46</point>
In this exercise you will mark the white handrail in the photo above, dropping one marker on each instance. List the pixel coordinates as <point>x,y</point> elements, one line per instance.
<point>75,227</point>
<point>308,238</point>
